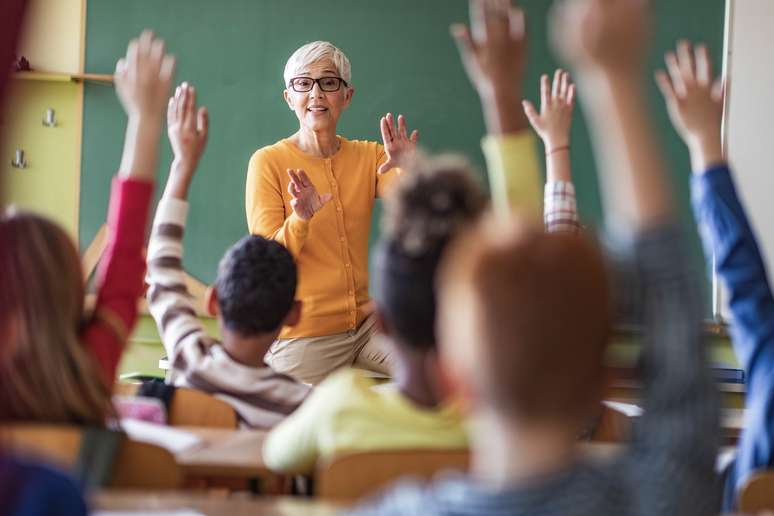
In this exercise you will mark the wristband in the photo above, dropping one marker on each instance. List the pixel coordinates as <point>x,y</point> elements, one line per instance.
<point>558,149</point>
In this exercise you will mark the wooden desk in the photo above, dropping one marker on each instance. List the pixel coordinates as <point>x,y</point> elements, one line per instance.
<point>224,453</point>
<point>212,505</point>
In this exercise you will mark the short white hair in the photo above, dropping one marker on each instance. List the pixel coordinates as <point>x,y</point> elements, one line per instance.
<point>314,52</point>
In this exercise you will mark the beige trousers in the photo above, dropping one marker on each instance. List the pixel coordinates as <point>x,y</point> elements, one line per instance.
<point>311,359</point>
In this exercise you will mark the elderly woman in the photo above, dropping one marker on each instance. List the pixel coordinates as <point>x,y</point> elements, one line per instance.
<point>314,192</point>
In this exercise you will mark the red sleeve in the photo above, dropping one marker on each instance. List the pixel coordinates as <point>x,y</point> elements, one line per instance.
<point>120,275</point>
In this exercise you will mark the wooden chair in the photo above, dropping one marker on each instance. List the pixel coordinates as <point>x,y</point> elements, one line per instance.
<point>349,477</point>
<point>195,408</point>
<point>137,465</point>
<point>757,494</point>
<point>190,407</point>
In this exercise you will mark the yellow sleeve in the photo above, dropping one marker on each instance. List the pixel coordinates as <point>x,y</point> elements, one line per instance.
<point>265,208</point>
<point>514,174</point>
<point>293,446</point>
<point>384,181</point>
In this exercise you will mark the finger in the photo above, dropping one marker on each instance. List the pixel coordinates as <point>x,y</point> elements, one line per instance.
<point>131,56</point>
<point>563,86</point>
<point>324,198</point>
<point>465,46</point>
<point>531,112</point>
<point>719,89</point>
<point>292,190</point>
<point>571,95</point>
<point>545,92</point>
<point>665,85</point>
<point>556,83</point>
<point>390,127</point>
<point>703,65</point>
<point>203,122</point>
<point>386,137</point>
<point>305,181</point>
<point>157,53</point>
<point>171,111</point>
<point>293,177</point>
<point>167,70</point>
<point>678,85</point>
<point>518,23</point>
<point>685,60</point>
<point>385,167</point>
<point>120,66</point>
<point>402,131</point>
<point>179,101</point>
<point>189,118</point>
<point>144,43</point>
<point>414,136</point>
<point>477,21</point>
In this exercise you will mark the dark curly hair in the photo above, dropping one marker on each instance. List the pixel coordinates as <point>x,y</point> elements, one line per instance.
<point>433,201</point>
<point>256,285</point>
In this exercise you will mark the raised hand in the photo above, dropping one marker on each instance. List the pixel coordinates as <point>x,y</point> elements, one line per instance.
<point>602,35</point>
<point>398,145</point>
<point>142,80</point>
<point>144,76</point>
<point>494,54</point>
<point>187,129</point>
<point>494,50</point>
<point>553,121</point>
<point>306,201</point>
<point>694,100</point>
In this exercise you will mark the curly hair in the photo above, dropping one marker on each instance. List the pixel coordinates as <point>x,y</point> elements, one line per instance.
<point>434,200</point>
<point>256,285</point>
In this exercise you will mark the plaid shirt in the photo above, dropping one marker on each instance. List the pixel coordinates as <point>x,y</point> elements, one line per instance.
<point>560,210</point>
<point>669,466</point>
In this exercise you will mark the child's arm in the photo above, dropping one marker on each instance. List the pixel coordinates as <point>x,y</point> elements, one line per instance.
<point>142,81</point>
<point>671,461</point>
<point>169,301</point>
<point>560,211</point>
<point>494,53</point>
<point>695,103</point>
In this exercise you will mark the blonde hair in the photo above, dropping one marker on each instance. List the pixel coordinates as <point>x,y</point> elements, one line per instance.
<point>314,52</point>
<point>46,373</point>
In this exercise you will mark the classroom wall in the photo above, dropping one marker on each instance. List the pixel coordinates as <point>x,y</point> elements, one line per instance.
<point>750,114</point>
<point>50,185</point>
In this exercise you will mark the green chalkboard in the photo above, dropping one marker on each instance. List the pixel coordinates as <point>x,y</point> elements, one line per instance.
<point>403,60</point>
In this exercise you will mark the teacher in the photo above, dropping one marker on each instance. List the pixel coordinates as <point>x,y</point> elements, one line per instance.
<point>314,192</point>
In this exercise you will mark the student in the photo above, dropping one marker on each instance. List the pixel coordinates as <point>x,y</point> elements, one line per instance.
<point>253,296</point>
<point>56,364</point>
<point>28,489</point>
<point>524,320</point>
<point>347,413</point>
<point>695,104</point>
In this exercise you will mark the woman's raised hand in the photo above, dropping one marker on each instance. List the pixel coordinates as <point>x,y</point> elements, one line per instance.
<point>306,201</point>
<point>397,143</point>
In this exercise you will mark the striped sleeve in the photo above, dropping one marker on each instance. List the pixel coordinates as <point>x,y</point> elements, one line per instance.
<point>170,303</point>
<point>560,211</point>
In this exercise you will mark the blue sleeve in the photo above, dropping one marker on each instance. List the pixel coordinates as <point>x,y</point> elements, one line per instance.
<point>46,492</point>
<point>727,234</point>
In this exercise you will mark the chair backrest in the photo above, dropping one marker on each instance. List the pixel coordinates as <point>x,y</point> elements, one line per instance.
<point>349,477</point>
<point>137,465</point>
<point>190,407</point>
<point>757,494</point>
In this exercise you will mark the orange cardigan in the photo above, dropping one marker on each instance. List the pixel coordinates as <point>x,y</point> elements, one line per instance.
<point>331,249</point>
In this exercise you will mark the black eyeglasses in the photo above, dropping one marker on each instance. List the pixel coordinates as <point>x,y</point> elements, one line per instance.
<point>305,84</point>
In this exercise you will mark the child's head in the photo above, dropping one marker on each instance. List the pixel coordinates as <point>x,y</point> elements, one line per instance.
<point>524,321</point>
<point>434,199</point>
<point>46,374</point>
<point>256,287</point>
